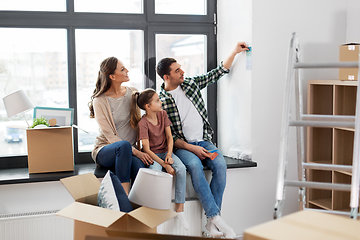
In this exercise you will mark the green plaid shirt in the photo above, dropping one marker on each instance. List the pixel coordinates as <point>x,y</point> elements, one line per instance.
<point>191,87</point>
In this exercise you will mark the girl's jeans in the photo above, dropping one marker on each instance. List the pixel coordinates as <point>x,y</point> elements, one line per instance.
<point>118,156</point>
<point>210,196</point>
<point>180,178</point>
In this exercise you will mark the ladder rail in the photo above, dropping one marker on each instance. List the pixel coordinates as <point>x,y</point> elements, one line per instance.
<point>355,180</point>
<point>319,185</point>
<point>327,65</point>
<point>285,120</point>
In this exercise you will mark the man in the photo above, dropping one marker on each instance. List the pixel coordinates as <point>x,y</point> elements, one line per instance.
<point>192,134</point>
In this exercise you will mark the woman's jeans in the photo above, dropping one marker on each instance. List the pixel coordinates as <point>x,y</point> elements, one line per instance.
<point>210,196</point>
<point>118,156</point>
<point>180,178</point>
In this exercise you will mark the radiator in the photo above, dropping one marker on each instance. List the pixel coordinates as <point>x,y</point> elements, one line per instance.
<point>193,212</point>
<point>43,225</point>
<point>46,225</point>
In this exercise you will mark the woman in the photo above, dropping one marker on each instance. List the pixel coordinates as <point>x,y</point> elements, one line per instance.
<point>110,106</point>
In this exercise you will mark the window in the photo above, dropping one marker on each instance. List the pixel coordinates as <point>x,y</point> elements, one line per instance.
<point>34,5</point>
<point>195,7</point>
<point>53,50</point>
<point>109,6</point>
<point>30,63</point>
<point>91,48</point>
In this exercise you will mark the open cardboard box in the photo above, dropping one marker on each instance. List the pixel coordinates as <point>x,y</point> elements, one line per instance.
<point>308,225</point>
<point>50,149</point>
<point>93,220</point>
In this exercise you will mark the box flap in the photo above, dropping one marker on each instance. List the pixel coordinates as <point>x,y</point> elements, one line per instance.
<point>48,128</point>
<point>348,44</point>
<point>82,187</point>
<point>91,214</point>
<point>152,217</point>
<point>305,225</point>
<point>337,226</point>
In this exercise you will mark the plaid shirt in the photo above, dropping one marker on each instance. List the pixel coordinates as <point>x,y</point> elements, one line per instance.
<point>191,87</point>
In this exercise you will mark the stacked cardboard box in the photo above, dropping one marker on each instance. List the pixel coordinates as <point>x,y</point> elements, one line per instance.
<point>349,53</point>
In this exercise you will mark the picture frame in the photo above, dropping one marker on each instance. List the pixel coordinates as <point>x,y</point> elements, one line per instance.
<point>63,116</point>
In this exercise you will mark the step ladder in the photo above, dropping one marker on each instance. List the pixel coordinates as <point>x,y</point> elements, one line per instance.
<point>293,82</point>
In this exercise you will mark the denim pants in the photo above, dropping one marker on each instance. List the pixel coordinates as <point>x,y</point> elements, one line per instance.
<point>210,195</point>
<point>118,156</point>
<point>180,178</point>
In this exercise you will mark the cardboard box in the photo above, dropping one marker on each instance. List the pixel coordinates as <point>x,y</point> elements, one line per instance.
<point>50,149</point>
<point>120,235</point>
<point>306,225</point>
<point>349,53</point>
<point>93,220</point>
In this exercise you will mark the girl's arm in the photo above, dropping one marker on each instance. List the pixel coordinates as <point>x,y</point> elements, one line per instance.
<point>170,143</point>
<point>146,147</point>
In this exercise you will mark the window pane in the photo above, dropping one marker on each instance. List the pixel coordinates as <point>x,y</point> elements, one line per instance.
<point>109,6</point>
<point>34,5</point>
<point>197,7</point>
<point>188,50</point>
<point>34,60</point>
<point>92,47</point>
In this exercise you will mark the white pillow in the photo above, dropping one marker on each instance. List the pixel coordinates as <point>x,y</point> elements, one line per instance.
<point>107,197</point>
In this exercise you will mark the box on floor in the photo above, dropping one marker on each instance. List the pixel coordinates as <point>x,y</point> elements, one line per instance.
<point>120,235</point>
<point>50,149</point>
<point>306,225</point>
<point>349,53</point>
<point>93,220</point>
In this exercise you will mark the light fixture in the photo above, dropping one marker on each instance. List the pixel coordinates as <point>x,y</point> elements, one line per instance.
<point>152,189</point>
<point>17,103</point>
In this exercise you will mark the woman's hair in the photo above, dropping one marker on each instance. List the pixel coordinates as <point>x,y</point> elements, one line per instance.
<point>103,82</point>
<point>138,101</point>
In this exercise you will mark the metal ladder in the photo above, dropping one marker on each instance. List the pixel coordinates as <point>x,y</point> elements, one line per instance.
<point>310,120</point>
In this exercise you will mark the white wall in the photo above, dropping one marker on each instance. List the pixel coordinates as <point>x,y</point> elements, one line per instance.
<point>353,19</point>
<point>234,110</point>
<point>321,25</point>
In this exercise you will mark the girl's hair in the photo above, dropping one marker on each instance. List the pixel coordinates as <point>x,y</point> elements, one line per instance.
<point>138,101</point>
<point>103,83</point>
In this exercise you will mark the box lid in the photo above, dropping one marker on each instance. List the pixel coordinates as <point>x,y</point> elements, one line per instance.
<point>83,188</point>
<point>152,217</point>
<point>348,44</point>
<point>91,214</point>
<point>306,225</point>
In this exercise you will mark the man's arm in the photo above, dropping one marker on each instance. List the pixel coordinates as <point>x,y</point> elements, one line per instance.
<point>240,47</point>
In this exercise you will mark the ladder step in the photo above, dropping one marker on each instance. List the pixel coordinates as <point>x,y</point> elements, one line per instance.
<point>328,211</point>
<point>324,124</point>
<point>338,118</point>
<point>322,166</point>
<point>327,65</point>
<point>318,185</point>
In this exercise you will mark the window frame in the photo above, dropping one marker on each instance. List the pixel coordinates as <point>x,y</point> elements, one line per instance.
<point>149,22</point>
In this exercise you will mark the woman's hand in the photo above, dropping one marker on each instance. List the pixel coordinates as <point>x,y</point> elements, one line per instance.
<point>169,169</point>
<point>168,159</point>
<point>144,157</point>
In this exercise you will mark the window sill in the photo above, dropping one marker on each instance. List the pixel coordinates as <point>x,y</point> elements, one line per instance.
<point>21,175</point>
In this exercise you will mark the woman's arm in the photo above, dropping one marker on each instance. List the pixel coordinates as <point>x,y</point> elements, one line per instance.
<point>146,147</point>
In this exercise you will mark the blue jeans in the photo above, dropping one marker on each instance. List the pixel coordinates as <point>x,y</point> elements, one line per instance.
<point>118,156</point>
<point>210,196</point>
<point>180,178</point>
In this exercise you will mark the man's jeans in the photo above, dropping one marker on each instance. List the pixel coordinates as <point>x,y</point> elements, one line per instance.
<point>180,177</point>
<point>210,196</point>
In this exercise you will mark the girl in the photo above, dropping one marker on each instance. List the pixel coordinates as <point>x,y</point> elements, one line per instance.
<point>110,106</point>
<point>155,135</point>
